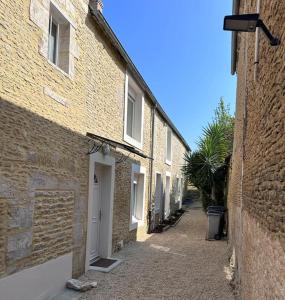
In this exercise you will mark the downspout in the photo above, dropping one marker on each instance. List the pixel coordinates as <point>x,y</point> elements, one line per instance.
<point>256,54</point>
<point>245,100</point>
<point>149,217</point>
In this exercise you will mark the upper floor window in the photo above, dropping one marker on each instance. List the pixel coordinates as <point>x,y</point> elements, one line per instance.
<point>134,111</point>
<point>168,146</point>
<point>59,39</point>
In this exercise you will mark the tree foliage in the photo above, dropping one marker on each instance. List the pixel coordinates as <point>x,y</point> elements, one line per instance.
<point>205,167</point>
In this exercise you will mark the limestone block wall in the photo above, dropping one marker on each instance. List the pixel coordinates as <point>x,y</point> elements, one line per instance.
<point>43,190</point>
<point>27,77</point>
<point>257,204</point>
<point>45,114</point>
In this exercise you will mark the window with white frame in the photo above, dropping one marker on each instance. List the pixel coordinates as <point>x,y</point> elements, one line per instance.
<point>59,39</point>
<point>178,187</point>
<point>134,112</point>
<point>137,196</point>
<point>168,145</point>
<point>181,187</point>
<point>158,192</point>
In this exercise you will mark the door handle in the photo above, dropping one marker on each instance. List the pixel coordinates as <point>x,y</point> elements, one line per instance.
<point>100,215</point>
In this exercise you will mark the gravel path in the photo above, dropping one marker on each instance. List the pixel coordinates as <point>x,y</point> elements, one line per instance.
<point>178,264</point>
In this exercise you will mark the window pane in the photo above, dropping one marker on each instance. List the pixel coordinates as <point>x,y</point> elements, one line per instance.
<point>130,116</point>
<point>168,156</point>
<point>52,42</point>
<point>134,204</point>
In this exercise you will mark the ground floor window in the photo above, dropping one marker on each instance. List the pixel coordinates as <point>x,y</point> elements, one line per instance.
<point>137,196</point>
<point>158,192</point>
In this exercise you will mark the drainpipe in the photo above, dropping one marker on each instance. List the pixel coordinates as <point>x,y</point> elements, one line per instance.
<point>240,264</point>
<point>256,54</point>
<point>149,216</point>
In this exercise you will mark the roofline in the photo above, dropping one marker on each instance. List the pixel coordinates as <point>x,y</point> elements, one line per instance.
<point>236,5</point>
<point>105,27</point>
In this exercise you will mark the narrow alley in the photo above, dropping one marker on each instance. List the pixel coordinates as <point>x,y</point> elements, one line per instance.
<point>178,264</point>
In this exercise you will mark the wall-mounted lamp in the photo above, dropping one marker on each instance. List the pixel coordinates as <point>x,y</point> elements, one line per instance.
<point>248,23</point>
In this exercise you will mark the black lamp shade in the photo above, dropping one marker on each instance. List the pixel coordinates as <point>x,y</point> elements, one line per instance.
<point>246,23</point>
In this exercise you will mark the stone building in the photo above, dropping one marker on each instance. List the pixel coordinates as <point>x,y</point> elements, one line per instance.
<point>87,154</point>
<point>257,177</point>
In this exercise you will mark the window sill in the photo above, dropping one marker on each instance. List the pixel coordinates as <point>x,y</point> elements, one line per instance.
<point>59,69</point>
<point>168,162</point>
<point>132,141</point>
<point>135,223</point>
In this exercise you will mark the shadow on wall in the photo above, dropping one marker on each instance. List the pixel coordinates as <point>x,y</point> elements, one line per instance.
<point>44,171</point>
<point>44,168</point>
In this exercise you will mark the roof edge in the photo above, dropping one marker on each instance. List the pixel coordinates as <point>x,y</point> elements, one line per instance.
<point>106,28</point>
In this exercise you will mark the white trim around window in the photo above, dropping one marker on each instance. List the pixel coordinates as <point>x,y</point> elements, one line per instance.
<point>136,138</point>
<point>138,178</point>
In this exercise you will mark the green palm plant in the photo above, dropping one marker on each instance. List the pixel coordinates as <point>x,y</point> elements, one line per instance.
<point>202,165</point>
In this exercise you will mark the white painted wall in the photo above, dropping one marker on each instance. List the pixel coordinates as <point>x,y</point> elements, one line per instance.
<point>41,282</point>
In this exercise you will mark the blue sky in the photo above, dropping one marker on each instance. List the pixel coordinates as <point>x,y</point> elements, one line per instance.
<point>182,52</point>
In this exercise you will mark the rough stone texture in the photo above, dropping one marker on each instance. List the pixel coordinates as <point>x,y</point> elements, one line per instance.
<point>3,235</point>
<point>43,144</point>
<point>263,267</point>
<point>41,165</point>
<point>80,286</point>
<point>52,230</point>
<point>257,182</point>
<point>178,264</point>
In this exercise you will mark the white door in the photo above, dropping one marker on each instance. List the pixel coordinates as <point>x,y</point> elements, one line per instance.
<point>167,197</point>
<point>96,219</point>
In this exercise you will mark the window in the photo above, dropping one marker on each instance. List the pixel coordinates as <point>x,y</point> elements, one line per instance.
<point>131,114</point>
<point>167,195</point>
<point>168,146</point>
<point>178,187</point>
<point>134,200</point>
<point>134,110</point>
<point>53,40</point>
<point>59,39</point>
<point>158,192</point>
<point>137,196</point>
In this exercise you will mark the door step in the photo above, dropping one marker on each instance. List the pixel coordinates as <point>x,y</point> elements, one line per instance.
<point>105,264</point>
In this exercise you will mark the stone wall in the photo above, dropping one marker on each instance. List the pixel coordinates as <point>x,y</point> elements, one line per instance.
<point>44,117</point>
<point>44,189</point>
<point>160,164</point>
<point>257,182</point>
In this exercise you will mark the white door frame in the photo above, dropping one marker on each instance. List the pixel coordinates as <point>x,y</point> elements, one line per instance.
<point>109,161</point>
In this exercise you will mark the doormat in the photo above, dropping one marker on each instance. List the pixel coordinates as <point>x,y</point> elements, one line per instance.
<point>105,264</point>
